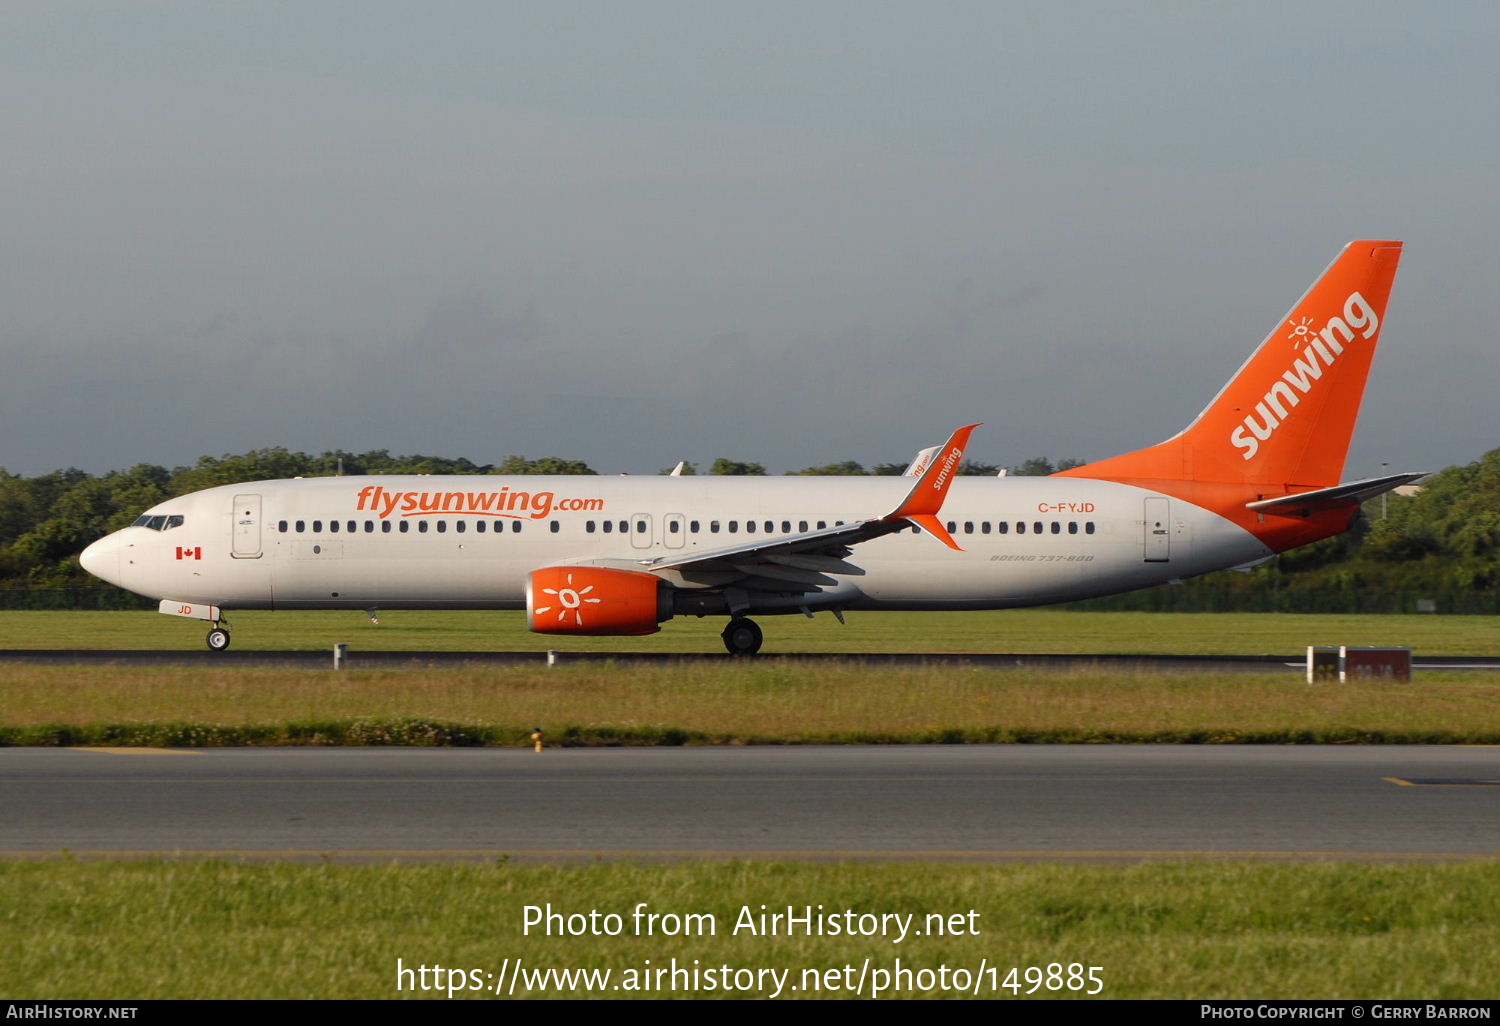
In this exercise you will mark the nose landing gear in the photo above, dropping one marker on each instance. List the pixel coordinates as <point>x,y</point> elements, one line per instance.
<point>218,638</point>
<point>742,637</point>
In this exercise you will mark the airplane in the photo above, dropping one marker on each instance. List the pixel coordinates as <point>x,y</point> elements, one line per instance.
<point>1257,472</point>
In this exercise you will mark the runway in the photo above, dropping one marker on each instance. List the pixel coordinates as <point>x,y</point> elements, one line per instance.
<point>970,803</point>
<point>357,659</point>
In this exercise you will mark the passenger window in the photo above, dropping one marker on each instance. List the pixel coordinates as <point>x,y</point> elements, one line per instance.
<point>1056,527</point>
<point>301,526</point>
<point>802,526</point>
<point>984,527</point>
<point>422,526</point>
<point>1020,527</point>
<point>460,525</point>
<point>770,527</point>
<point>786,527</point>
<point>734,527</point>
<point>640,527</point>
<point>442,526</point>
<point>749,526</point>
<point>405,526</point>
<point>281,526</point>
<point>317,527</point>
<point>968,527</point>
<point>369,527</point>
<point>555,526</point>
<point>589,526</point>
<point>385,527</point>
<point>1088,528</point>
<point>1036,527</point>
<point>1003,527</point>
<point>1072,527</point>
<point>609,525</point>
<point>713,527</point>
<point>822,524</point>
<point>333,527</point>
<point>674,527</point>
<point>351,527</point>
<point>693,526</point>
<point>951,526</point>
<point>479,526</point>
<point>515,527</point>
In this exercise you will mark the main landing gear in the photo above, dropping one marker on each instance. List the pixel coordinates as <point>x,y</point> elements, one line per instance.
<point>742,637</point>
<point>218,638</point>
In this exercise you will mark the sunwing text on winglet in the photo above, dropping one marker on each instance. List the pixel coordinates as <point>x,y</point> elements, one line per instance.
<point>925,500</point>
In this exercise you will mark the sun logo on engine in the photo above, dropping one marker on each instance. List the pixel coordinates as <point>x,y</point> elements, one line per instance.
<point>569,600</point>
<point>1300,332</point>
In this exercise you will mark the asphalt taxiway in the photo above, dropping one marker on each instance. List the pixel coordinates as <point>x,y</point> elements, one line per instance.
<point>357,659</point>
<point>974,803</point>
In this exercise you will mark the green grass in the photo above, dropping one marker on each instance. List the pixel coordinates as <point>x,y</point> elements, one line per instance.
<point>1228,930</point>
<point>725,701</point>
<point>1021,630</point>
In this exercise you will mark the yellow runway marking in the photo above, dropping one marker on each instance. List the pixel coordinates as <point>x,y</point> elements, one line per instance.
<point>136,751</point>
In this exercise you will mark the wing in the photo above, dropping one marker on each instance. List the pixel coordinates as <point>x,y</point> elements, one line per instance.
<point>807,562</point>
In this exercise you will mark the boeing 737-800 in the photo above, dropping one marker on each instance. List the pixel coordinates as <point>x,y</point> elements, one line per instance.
<point>1256,473</point>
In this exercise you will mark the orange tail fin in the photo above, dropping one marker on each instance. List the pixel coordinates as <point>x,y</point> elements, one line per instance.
<point>1286,418</point>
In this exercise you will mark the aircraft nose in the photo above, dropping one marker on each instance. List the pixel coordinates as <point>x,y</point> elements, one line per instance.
<point>102,559</point>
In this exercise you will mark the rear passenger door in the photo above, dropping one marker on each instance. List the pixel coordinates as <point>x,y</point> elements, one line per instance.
<point>1157,538</point>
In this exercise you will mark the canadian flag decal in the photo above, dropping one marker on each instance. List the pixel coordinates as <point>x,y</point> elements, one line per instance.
<point>196,552</point>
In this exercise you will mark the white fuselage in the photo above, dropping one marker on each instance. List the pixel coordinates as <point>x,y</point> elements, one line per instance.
<point>470,542</point>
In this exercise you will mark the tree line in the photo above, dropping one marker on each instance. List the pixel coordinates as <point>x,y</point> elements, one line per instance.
<point>1037,466</point>
<point>1437,548</point>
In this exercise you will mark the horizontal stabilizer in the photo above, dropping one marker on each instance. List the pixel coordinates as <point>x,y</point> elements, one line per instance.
<point>1304,503</point>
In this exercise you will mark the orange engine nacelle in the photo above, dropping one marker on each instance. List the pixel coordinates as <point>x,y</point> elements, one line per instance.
<point>594,600</point>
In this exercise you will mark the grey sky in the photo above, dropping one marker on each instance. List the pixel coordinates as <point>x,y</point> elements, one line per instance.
<point>632,233</point>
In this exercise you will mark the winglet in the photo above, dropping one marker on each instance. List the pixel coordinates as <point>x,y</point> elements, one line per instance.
<point>921,462</point>
<point>925,500</point>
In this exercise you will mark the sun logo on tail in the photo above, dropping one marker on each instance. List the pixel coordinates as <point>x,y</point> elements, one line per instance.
<point>569,600</point>
<point>1301,331</point>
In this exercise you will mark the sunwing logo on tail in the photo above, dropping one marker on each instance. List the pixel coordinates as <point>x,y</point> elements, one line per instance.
<point>1314,351</point>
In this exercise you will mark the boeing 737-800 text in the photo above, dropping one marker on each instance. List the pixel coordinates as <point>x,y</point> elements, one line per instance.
<point>1256,473</point>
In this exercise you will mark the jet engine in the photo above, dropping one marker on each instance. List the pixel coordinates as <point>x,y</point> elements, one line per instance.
<point>595,600</point>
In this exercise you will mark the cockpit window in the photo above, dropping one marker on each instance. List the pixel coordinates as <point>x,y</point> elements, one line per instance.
<point>159,522</point>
